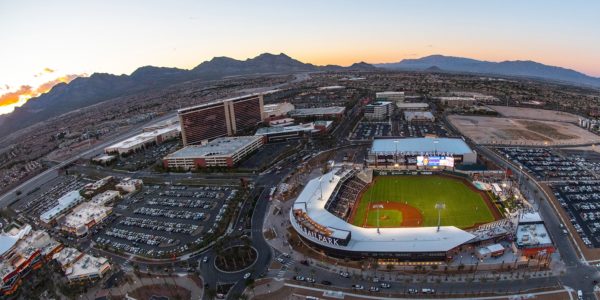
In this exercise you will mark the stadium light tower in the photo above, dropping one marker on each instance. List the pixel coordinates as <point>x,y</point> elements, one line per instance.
<point>396,153</point>
<point>439,206</point>
<point>321,187</point>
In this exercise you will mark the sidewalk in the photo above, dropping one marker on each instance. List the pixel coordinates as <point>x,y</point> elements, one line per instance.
<point>184,282</point>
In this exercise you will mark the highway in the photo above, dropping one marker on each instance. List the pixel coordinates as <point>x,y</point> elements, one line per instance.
<point>52,172</point>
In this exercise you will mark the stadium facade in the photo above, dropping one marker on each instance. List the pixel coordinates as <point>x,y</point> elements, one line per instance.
<point>316,220</point>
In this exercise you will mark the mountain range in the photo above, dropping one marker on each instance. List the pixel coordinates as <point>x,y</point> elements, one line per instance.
<point>86,91</point>
<point>98,87</point>
<point>518,68</point>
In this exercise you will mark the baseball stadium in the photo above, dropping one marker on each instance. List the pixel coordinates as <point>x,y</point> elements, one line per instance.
<point>411,213</point>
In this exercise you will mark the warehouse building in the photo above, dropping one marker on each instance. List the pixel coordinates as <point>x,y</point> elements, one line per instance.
<point>412,106</point>
<point>421,152</point>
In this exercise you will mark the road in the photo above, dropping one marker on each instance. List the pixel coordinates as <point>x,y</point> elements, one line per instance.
<point>52,172</point>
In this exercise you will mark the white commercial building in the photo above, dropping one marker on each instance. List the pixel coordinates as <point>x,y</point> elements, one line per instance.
<point>412,106</point>
<point>129,185</point>
<point>418,116</point>
<point>277,110</point>
<point>220,152</point>
<point>456,101</point>
<point>328,112</point>
<point>394,97</point>
<point>379,110</point>
<point>79,266</point>
<point>144,139</point>
<point>65,203</point>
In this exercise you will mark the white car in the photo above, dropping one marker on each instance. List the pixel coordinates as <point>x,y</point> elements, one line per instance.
<point>247,275</point>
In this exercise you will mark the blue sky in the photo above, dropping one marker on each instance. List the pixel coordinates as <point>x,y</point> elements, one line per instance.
<point>82,37</point>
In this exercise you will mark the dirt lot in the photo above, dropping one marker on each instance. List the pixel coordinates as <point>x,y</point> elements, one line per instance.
<point>511,131</point>
<point>535,114</point>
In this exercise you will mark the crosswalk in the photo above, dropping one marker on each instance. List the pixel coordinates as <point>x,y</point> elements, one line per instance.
<point>289,263</point>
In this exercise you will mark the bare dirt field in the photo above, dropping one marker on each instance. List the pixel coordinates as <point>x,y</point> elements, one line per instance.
<point>514,131</point>
<point>535,114</point>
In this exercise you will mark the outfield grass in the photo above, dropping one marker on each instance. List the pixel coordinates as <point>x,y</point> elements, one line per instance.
<point>464,207</point>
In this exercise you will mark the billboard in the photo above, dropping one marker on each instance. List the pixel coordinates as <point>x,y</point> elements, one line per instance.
<point>435,161</point>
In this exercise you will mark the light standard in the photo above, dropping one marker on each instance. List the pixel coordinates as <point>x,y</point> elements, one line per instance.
<point>439,206</point>
<point>435,146</point>
<point>321,187</point>
<point>396,153</point>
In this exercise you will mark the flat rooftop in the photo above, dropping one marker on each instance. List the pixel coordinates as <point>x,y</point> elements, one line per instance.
<point>218,147</point>
<point>412,105</point>
<point>330,110</point>
<point>63,202</point>
<point>419,145</point>
<point>379,103</point>
<point>413,239</point>
<point>144,137</point>
<point>293,128</point>
<point>389,93</point>
<point>187,109</point>
<point>532,235</point>
<point>418,115</point>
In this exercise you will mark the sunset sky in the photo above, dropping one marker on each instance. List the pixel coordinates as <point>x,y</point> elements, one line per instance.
<point>45,41</point>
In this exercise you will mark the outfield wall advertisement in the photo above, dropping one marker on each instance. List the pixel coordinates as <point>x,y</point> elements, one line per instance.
<point>435,161</point>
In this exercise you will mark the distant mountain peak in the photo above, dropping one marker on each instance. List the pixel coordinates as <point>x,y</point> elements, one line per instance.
<point>518,68</point>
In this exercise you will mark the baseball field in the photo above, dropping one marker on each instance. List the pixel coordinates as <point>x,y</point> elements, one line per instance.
<point>410,201</point>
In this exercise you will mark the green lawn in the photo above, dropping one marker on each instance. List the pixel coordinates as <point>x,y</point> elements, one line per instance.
<point>464,207</point>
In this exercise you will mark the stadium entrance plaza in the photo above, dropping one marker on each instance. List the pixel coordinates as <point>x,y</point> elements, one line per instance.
<point>278,223</point>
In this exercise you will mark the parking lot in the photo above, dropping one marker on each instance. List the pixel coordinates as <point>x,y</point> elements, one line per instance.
<point>572,175</point>
<point>420,129</point>
<point>44,198</point>
<point>163,220</point>
<point>549,166</point>
<point>369,130</point>
<point>146,158</point>
<point>582,203</point>
<point>266,155</point>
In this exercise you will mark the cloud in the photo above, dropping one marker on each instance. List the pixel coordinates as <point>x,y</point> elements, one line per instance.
<point>48,70</point>
<point>46,86</point>
<point>19,97</point>
<point>14,97</point>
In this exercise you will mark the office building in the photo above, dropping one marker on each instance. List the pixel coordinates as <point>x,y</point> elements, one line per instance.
<point>378,110</point>
<point>221,118</point>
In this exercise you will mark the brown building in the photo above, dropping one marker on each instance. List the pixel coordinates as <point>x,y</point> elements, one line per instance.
<point>221,118</point>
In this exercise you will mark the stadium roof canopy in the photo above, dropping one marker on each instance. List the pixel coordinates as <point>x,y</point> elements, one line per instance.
<point>447,145</point>
<point>414,239</point>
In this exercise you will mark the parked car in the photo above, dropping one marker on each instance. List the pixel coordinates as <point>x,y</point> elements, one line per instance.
<point>385,285</point>
<point>373,289</point>
<point>344,274</point>
<point>326,282</point>
<point>358,287</point>
<point>427,291</point>
<point>247,275</point>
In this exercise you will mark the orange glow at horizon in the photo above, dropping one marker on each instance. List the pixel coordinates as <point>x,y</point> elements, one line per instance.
<point>12,100</point>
